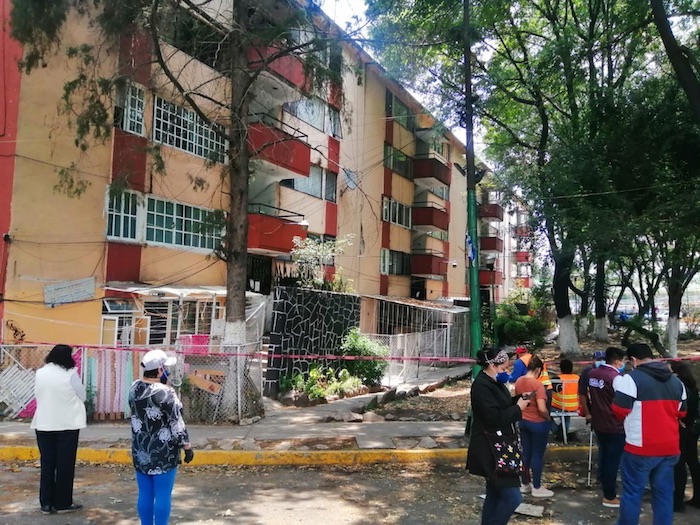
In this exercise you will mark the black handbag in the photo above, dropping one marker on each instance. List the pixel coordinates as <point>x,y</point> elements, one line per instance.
<point>507,452</point>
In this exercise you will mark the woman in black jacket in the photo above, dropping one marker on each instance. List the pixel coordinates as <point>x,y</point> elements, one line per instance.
<point>493,410</point>
<point>689,442</point>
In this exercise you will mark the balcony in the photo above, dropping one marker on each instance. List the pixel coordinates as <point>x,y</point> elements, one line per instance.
<point>429,264</point>
<point>428,216</point>
<point>523,282</point>
<point>430,171</point>
<point>490,277</point>
<point>491,244</point>
<point>290,68</point>
<point>271,230</point>
<point>284,151</point>
<point>491,212</point>
<point>522,256</point>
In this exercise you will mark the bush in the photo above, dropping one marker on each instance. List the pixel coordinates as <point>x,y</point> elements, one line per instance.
<point>370,372</point>
<point>322,382</point>
<point>514,328</point>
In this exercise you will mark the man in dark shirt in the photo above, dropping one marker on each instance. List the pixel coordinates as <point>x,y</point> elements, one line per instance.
<point>609,430</point>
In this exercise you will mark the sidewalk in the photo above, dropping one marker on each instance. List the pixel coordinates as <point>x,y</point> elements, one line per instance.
<point>287,435</point>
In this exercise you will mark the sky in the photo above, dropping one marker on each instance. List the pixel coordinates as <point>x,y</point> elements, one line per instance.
<point>342,11</point>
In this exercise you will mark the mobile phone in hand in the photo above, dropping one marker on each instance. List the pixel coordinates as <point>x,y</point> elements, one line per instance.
<point>528,395</point>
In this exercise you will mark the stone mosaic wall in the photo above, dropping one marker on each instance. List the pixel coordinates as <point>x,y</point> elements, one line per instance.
<point>306,322</point>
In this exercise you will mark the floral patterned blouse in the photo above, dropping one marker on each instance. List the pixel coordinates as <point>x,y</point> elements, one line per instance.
<point>157,428</point>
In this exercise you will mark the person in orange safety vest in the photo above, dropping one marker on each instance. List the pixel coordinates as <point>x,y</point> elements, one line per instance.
<point>565,397</point>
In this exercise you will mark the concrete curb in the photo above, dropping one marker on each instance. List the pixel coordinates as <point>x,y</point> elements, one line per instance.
<point>287,457</point>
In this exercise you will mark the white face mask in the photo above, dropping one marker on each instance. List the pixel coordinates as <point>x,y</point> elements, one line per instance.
<point>598,363</point>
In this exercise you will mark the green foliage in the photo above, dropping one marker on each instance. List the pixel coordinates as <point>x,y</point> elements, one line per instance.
<point>514,328</point>
<point>322,382</point>
<point>370,371</point>
<point>313,257</point>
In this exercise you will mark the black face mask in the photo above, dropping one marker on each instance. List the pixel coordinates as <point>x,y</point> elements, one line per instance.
<point>164,377</point>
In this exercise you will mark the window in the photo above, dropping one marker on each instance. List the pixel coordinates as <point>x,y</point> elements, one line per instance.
<point>398,162</point>
<point>168,222</point>
<point>320,183</point>
<point>399,111</point>
<point>441,191</point>
<point>394,263</point>
<point>185,130</point>
<point>132,119</point>
<point>121,215</point>
<point>438,234</point>
<point>396,212</point>
<point>316,113</point>
<point>157,220</point>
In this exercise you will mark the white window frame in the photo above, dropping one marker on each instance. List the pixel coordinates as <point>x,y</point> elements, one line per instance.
<point>119,219</point>
<point>183,129</point>
<point>178,230</point>
<point>396,212</point>
<point>384,261</point>
<point>134,109</point>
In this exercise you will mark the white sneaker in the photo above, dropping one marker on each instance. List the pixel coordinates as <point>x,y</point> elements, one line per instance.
<point>525,488</point>
<point>542,492</point>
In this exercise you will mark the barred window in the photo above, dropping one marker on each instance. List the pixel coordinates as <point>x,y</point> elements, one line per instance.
<point>134,105</point>
<point>396,212</point>
<point>180,224</point>
<point>121,215</point>
<point>185,130</point>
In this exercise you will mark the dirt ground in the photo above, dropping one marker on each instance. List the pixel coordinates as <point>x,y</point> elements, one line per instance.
<point>450,402</point>
<point>369,495</point>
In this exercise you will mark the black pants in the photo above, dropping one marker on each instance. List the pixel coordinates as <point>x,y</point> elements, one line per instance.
<point>58,450</point>
<point>689,456</point>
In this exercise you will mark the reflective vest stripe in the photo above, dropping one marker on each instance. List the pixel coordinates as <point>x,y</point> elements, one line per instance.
<point>567,400</point>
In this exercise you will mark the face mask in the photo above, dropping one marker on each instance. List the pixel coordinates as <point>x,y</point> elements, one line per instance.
<point>502,377</point>
<point>621,369</point>
<point>598,363</point>
<point>164,377</point>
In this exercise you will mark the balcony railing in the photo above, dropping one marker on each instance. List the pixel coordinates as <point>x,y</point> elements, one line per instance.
<point>278,143</point>
<point>271,230</point>
<point>491,211</point>
<point>430,216</point>
<point>491,244</point>
<point>288,67</point>
<point>431,171</point>
<point>523,256</point>
<point>428,264</point>
<point>490,277</point>
<point>523,282</point>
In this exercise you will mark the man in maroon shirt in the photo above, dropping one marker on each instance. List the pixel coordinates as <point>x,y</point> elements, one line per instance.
<point>609,430</point>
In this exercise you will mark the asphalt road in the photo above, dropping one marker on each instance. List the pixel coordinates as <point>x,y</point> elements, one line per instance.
<point>369,495</point>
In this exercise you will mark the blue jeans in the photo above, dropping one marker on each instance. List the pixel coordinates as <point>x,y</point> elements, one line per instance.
<point>610,447</point>
<point>534,437</point>
<point>155,494</point>
<point>636,471</point>
<point>500,504</point>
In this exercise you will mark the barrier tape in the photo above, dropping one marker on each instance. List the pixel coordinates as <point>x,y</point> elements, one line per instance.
<point>330,357</point>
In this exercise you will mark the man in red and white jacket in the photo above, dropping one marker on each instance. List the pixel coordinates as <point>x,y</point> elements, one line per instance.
<point>650,400</point>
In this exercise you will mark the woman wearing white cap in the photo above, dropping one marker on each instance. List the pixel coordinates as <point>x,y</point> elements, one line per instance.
<point>158,433</point>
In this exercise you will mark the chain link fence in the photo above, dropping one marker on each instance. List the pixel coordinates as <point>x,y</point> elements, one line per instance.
<point>413,354</point>
<point>216,384</point>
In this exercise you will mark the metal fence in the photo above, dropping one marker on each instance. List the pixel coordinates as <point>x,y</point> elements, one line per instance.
<point>414,353</point>
<point>215,383</point>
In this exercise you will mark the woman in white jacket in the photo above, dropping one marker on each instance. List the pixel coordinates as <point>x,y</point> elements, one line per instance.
<point>60,414</point>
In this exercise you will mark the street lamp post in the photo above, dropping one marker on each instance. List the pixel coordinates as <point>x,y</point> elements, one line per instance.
<point>474,298</point>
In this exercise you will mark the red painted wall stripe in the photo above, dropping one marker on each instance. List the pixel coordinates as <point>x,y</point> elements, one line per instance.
<point>10,54</point>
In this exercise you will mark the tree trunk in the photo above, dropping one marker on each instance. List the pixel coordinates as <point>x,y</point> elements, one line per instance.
<point>568,342</point>
<point>675,296</point>
<point>600,327</point>
<point>680,62</point>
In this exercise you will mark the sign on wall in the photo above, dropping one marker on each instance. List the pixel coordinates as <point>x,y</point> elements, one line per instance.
<point>69,292</point>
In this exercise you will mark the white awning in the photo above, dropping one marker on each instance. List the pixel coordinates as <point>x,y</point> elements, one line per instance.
<point>184,291</point>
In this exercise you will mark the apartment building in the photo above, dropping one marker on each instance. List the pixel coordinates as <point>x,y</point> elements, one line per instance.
<point>132,259</point>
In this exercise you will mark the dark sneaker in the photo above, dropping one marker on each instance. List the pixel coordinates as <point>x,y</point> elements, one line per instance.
<point>47,509</point>
<point>72,508</point>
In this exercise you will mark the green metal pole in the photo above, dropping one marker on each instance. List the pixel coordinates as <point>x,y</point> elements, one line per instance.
<point>474,295</point>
